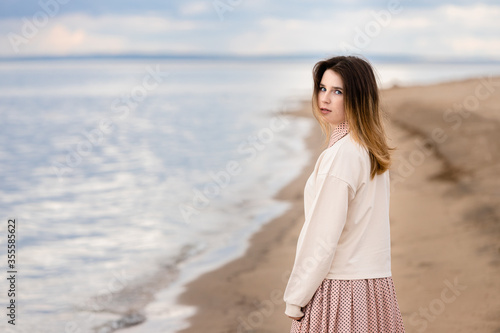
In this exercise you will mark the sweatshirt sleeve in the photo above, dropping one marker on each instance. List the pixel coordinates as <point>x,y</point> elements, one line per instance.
<point>317,242</point>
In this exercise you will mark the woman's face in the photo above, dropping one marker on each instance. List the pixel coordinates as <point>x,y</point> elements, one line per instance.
<point>331,98</point>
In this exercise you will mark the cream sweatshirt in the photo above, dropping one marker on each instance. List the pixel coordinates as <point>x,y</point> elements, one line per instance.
<point>346,233</point>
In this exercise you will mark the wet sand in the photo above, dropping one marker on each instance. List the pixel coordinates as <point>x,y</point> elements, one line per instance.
<point>445,221</point>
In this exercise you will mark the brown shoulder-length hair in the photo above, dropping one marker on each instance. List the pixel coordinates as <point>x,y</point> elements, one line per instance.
<point>361,105</point>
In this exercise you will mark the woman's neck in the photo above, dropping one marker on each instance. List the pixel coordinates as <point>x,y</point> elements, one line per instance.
<point>338,133</point>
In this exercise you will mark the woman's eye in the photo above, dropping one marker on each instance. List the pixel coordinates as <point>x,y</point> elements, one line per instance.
<point>338,92</point>
<point>322,89</point>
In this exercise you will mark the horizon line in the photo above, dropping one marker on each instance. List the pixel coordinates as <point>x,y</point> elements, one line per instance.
<point>403,58</point>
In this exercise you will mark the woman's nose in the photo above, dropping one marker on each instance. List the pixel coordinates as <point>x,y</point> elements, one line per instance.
<point>325,98</point>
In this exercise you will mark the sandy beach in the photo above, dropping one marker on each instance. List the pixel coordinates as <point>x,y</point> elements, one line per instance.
<point>445,221</point>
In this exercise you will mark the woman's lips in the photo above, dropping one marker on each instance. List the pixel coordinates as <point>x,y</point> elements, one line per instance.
<point>325,111</point>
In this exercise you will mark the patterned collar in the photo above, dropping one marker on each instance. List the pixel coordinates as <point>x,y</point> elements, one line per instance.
<point>338,133</point>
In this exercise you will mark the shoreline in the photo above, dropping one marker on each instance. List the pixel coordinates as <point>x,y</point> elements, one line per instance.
<point>444,224</point>
<point>245,308</point>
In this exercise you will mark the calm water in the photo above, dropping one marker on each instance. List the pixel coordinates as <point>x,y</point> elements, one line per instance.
<point>130,178</point>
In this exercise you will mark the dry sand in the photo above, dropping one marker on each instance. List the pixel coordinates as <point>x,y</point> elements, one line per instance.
<point>445,222</point>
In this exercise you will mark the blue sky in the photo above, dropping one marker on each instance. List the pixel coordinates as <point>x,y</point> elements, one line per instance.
<point>457,29</point>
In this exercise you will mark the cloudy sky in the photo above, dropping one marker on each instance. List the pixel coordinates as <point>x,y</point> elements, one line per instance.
<point>440,28</point>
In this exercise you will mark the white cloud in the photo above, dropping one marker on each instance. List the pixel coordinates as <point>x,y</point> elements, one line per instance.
<point>81,34</point>
<point>128,23</point>
<point>449,30</point>
<point>475,15</point>
<point>59,39</point>
<point>196,8</point>
<point>275,35</point>
<point>473,45</point>
<point>445,31</point>
<point>410,23</point>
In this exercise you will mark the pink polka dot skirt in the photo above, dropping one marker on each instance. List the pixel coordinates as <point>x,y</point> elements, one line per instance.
<point>352,306</point>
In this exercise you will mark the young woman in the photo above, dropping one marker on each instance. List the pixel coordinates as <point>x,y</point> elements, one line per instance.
<point>341,279</point>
